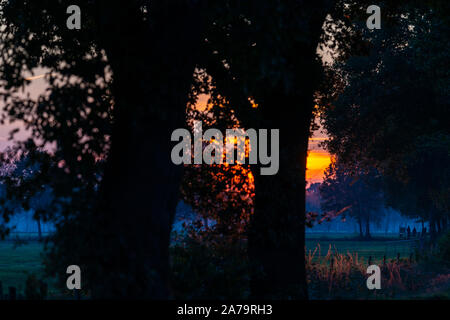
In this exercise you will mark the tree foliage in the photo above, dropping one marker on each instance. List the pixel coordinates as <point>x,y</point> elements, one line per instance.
<point>358,192</point>
<point>391,111</point>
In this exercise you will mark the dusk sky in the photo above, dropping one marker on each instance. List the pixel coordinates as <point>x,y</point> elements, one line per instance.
<point>36,88</point>
<point>318,158</point>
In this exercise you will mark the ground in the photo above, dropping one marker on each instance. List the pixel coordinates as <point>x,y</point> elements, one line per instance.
<point>17,262</point>
<point>383,245</point>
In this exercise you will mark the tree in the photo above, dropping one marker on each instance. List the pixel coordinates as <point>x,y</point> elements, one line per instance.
<point>266,66</point>
<point>137,173</point>
<point>113,88</point>
<point>23,180</point>
<point>313,198</point>
<point>224,192</point>
<point>342,188</point>
<point>391,108</point>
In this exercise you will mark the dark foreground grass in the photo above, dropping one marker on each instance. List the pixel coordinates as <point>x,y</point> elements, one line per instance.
<point>17,262</point>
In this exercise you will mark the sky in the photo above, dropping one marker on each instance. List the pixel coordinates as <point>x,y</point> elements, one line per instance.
<point>318,159</point>
<point>36,88</point>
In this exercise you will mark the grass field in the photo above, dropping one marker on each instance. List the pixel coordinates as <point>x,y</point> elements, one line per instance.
<point>349,236</point>
<point>365,249</point>
<point>382,245</point>
<point>17,262</point>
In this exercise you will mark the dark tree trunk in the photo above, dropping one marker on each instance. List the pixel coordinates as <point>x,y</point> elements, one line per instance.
<point>277,227</point>
<point>361,233</point>
<point>388,220</point>
<point>433,228</point>
<point>276,239</point>
<point>39,229</point>
<point>152,70</point>
<point>368,236</point>
<point>435,223</point>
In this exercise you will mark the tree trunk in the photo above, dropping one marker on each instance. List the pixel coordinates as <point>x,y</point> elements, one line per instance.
<point>361,234</point>
<point>433,229</point>
<point>368,236</point>
<point>277,227</point>
<point>434,224</point>
<point>153,71</point>
<point>39,229</point>
<point>386,230</point>
<point>276,238</point>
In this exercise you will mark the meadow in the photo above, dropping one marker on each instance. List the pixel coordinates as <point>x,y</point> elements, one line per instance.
<point>19,260</point>
<point>381,246</point>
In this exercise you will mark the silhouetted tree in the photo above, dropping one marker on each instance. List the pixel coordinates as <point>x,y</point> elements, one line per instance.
<point>391,111</point>
<point>359,192</point>
<point>266,67</point>
<point>25,185</point>
<point>117,89</point>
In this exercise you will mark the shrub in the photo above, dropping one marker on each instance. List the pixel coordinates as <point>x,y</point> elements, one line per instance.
<point>213,268</point>
<point>35,289</point>
<point>444,247</point>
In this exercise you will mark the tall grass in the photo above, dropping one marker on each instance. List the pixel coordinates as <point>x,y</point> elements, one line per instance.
<point>343,276</point>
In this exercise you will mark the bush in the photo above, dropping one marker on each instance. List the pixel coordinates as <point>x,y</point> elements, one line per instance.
<point>35,289</point>
<point>211,269</point>
<point>444,247</point>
